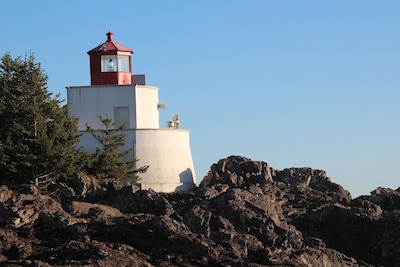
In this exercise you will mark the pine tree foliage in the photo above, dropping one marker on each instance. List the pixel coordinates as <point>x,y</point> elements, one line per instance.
<point>37,139</point>
<point>109,161</point>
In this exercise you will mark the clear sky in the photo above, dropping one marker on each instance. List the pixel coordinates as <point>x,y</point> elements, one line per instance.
<point>293,83</point>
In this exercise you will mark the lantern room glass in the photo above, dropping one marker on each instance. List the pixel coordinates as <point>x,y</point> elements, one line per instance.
<point>114,63</point>
<point>108,63</point>
<point>123,63</point>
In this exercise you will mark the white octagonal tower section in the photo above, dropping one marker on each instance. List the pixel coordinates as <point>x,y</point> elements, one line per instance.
<point>137,105</point>
<point>167,153</point>
<point>147,115</point>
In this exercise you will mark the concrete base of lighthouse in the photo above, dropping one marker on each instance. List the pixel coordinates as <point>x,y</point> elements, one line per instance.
<point>166,152</point>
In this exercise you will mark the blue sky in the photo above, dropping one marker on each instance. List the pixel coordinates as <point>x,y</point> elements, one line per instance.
<point>293,83</point>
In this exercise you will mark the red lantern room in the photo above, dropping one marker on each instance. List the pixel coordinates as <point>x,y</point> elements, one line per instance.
<point>110,63</point>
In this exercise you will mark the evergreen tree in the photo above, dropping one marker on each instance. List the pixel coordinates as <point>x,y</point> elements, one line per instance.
<point>108,161</point>
<point>37,139</point>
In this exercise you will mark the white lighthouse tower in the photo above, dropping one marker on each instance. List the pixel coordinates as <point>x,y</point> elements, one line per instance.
<point>116,93</point>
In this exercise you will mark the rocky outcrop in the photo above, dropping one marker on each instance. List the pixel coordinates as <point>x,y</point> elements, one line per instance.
<point>244,213</point>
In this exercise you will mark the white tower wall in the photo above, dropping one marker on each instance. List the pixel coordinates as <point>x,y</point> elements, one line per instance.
<point>147,115</point>
<point>140,102</point>
<point>167,152</point>
<point>86,102</point>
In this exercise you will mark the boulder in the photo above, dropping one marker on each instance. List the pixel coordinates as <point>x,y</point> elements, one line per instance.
<point>236,171</point>
<point>5,193</point>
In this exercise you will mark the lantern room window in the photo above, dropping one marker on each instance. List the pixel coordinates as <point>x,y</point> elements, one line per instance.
<point>123,63</point>
<point>108,63</point>
<point>113,63</point>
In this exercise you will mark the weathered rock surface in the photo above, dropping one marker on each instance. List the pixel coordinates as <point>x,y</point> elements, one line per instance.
<point>244,213</point>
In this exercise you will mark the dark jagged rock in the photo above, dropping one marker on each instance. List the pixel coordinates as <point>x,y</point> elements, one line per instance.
<point>238,172</point>
<point>244,213</point>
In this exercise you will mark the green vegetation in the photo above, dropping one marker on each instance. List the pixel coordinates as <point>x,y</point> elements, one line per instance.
<point>107,161</point>
<point>38,140</point>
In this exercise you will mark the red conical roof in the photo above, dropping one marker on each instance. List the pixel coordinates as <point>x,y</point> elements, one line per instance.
<point>110,45</point>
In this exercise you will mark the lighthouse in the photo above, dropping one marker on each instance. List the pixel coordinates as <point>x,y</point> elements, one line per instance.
<point>118,94</point>
<point>110,63</point>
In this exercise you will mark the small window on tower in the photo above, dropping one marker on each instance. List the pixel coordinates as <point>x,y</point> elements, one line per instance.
<point>121,116</point>
<point>108,63</point>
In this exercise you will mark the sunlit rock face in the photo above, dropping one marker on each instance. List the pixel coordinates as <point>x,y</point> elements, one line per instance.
<point>244,213</point>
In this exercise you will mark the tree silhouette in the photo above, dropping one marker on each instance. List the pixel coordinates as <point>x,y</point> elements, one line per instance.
<point>37,139</point>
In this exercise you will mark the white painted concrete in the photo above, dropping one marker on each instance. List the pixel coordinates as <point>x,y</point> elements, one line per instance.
<point>86,102</point>
<point>147,115</point>
<point>166,151</point>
